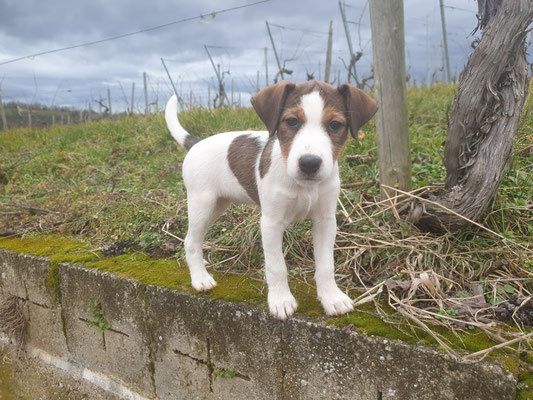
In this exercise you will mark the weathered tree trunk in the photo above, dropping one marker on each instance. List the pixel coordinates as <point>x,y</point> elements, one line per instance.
<point>484,119</point>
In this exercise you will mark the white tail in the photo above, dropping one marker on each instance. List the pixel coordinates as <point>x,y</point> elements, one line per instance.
<point>178,133</point>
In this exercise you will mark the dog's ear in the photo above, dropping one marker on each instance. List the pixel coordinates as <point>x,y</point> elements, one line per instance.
<point>360,107</point>
<point>269,103</point>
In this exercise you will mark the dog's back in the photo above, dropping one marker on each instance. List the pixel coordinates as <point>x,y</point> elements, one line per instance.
<point>225,164</point>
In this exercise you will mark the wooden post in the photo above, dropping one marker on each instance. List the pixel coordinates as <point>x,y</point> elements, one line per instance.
<point>232,93</point>
<point>266,66</point>
<point>132,97</point>
<point>328,53</point>
<point>109,101</point>
<point>445,40</point>
<point>180,100</point>
<point>29,118</point>
<point>221,89</point>
<point>350,47</point>
<point>388,48</point>
<point>3,114</point>
<point>275,52</point>
<point>145,94</point>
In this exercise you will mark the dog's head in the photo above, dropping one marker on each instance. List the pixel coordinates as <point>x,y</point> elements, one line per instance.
<point>311,121</point>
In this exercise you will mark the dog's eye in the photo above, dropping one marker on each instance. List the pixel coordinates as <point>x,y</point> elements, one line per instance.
<point>292,122</point>
<point>334,126</point>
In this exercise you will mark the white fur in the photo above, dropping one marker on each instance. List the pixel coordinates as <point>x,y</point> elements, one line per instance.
<point>311,139</point>
<point>176,130</point>
<point>284,196</point>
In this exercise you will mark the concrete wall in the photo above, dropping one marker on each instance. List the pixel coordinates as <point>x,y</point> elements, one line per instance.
<point>164,344</point>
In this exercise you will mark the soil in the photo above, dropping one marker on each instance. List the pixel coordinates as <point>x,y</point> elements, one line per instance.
<point>23,377</point>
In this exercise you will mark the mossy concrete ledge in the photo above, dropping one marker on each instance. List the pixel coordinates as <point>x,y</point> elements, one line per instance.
<point>149,342</point>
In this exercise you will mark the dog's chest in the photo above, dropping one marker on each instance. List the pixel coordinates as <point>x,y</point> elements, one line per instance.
<point>299,205</point>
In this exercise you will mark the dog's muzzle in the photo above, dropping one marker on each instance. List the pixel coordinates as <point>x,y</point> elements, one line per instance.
<point>309,164</point>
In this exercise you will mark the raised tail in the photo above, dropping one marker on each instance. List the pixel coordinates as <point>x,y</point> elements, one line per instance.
<point>178,133</point>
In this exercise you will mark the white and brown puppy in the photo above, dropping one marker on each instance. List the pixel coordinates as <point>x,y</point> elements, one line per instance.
<point>291,172</point>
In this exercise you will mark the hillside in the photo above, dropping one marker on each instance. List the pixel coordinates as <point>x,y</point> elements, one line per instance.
<point>117,185</point>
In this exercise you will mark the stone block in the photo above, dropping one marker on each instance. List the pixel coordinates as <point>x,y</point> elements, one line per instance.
<point>221,335</point>
<point>247,341</point>
<point>45,329</point>
<point>180,377</point>
<point>322,361</point>
<point>25,276</point>
<point>121,351</point>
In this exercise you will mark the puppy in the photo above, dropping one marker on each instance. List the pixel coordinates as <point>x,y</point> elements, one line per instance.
<point>290,171</point>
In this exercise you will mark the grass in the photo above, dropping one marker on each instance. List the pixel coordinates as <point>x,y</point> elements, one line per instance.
<point>117,185</point>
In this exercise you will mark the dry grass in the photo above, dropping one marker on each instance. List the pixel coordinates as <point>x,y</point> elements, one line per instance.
<point>12,321</point>
<point>118,184</point>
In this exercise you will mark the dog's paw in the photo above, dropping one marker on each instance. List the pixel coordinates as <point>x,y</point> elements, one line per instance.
<point>282,306</point>
<point>203,283</point>
<point>336,302</point>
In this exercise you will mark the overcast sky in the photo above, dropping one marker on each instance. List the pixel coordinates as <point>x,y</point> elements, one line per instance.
<point>79,76</point>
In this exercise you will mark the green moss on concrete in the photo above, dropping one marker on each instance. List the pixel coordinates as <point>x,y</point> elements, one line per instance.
<point>305,295</point>
<point>366,321</point>
<point>168,273</point>
<point>58,249</point>
<point>525,385</point>
<point>158,272</point>
<point>519,365</point>
<point>474,341</point>
<point>240,288</point>
<point>53,283</point>
<point>227,373</point>
<point>237,288</point>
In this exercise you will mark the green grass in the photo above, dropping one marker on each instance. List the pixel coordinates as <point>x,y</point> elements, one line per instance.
<point>118,184</point>
<point>120,181</point>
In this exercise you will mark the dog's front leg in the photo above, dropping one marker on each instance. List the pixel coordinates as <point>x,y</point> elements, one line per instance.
<point>334,301</point>
<point>281,302</point>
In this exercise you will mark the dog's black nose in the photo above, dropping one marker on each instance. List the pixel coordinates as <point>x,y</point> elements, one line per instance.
<point>309,164</point>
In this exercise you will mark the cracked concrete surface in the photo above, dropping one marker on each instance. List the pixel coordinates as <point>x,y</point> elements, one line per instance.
<point>163,344</point>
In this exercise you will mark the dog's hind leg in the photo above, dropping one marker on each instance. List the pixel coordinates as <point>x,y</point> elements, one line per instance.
<point>203,210</point>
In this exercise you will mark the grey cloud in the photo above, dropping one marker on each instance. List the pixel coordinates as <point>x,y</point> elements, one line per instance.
<point>30,26</point>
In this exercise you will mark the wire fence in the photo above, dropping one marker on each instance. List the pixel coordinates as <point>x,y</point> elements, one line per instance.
<point>48,100</point>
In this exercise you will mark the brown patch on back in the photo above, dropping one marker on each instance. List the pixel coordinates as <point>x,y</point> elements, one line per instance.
<point>266,157</point>
<point>285,133</point>
<point>242,155</point>
<point>339,137</point>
